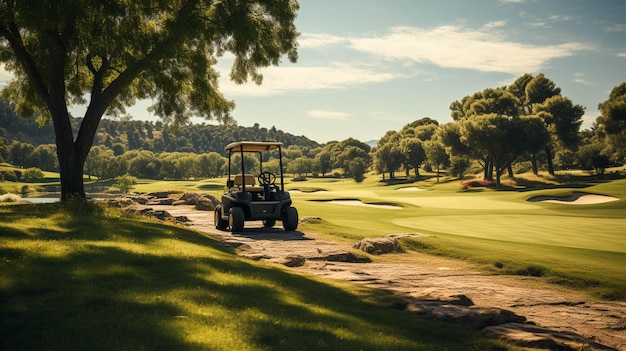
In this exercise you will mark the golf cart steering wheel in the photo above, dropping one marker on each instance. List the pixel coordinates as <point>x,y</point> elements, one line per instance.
<point>267,178</point>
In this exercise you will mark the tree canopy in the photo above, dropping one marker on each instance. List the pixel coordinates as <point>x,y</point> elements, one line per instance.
<point>107,55</point>
<point>613,118</point>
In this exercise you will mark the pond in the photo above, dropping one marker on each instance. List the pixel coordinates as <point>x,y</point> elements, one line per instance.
<point>43,199</point>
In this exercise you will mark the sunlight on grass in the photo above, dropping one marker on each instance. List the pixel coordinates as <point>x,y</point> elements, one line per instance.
<point>99,280</point>
<point>514,227</point>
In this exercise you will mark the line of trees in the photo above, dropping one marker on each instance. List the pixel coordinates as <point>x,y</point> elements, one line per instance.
<point>126,135</point>
<point>349,158</point>
<point>528,122</point>
<point>526,126</point>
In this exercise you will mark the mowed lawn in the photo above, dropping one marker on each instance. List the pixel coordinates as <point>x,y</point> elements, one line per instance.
<point>87,277</point>
<point>582,245</point>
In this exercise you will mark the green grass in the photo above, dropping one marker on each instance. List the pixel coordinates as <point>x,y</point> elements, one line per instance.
<point>581,246</point>
<point>76,277</point>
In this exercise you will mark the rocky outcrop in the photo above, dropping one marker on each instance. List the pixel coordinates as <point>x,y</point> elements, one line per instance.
<point>379,246</point>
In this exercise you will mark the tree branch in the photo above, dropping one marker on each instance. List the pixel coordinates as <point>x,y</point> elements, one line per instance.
<point>12,34</point>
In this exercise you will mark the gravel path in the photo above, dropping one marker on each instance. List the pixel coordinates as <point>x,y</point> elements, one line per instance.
<point>428,278</point>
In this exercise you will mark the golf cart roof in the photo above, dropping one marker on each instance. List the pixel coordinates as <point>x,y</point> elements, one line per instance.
<point>253,146</point>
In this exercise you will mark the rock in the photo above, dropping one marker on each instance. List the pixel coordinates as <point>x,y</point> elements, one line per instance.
<point>294,260</point>
<point>474,316</point>
<point>161,201</point>
<point>528,335</point>
<point>160,215</point>
<point>379,246</point>
<point>188,199</point>
<point>310,219</point>
<point>204,203</point>
<point>344,256</point>
<point>161,194</point>
<point>120,202</point>
<point>459,299</point>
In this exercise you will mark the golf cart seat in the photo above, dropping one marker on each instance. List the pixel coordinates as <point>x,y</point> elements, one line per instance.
<point>250,183</point>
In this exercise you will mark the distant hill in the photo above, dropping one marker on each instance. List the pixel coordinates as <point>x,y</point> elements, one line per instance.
<point>153,136</point>
<point>372,143</point>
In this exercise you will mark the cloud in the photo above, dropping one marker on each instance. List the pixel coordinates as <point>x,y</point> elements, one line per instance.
<point>621,54</point>
<point>333,115</point>
<point>284,79</point>
<point>580,78</point>
<point>495,24</point>
<point>5,76</point>
<point>456,47</point>
<point>313,40</point>
<point>617,28</point>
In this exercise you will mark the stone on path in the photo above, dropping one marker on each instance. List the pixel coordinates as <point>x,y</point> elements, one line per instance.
<point>529,335</point>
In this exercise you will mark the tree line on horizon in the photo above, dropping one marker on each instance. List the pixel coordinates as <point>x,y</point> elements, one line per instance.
<point>526,126</point>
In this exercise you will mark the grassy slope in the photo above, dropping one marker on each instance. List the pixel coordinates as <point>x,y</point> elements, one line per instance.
<point>580,245</point>
<point>82,277</point>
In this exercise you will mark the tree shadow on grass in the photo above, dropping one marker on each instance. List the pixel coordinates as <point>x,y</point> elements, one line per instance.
<point>105,283</point>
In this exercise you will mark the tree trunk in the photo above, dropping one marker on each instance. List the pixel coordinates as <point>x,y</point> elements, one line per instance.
<point>549,159</point>
<point>509,168</point>
<point>72,185</point>
<point>489,170</point>
<point>533,162</point>
<point>498,173</point>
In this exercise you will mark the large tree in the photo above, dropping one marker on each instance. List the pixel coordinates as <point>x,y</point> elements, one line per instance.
<point>108,54</point>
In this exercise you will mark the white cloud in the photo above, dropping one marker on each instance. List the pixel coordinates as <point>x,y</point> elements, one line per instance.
<point>278,80</point>
<point>587,121</point>
<point>495,24</point>
<point>313,40</point>
<point>560,18</point>
<point>621,54</point>
<point>5,76</point>
<point>615,28</point>
<point>580,78</point>
<point>457,47</point>
<point>333,115</point>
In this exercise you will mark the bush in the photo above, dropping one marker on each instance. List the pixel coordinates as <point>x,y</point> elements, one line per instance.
<point>8,175</point>
<point>125,182</point>
<point>522,167</point>
<point>32,175</point>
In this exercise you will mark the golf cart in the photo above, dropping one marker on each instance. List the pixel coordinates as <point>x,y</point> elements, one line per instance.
<point>247,200</point>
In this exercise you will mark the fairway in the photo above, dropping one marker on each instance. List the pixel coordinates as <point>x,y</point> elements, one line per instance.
<point>551,230</point>
<point>578,243</point>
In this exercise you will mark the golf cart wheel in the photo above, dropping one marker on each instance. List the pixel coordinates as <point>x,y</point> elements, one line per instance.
<point>290,220</point>
<point>235,219</point>
<point>220,223</point>
<point>268,223</point>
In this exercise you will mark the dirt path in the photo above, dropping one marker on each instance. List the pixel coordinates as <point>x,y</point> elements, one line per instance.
<point>427,278</point>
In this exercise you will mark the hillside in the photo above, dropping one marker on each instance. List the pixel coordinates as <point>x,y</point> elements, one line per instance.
<point>153,136</point>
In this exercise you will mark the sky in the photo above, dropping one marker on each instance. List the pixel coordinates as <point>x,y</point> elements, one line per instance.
<point>369,66</point>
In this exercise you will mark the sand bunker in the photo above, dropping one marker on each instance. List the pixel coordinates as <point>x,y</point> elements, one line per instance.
<point>298,191</point>
<point>410,188</point>
<point>361,203</point>
<point>575,199</point>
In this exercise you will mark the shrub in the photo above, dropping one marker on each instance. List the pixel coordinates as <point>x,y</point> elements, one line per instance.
<point>8,175</point>
<point>32,175</point>
<point>125,182</point>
